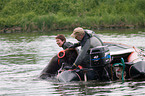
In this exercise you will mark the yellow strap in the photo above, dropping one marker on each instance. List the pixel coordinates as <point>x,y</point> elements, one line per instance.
<point>75,64</point>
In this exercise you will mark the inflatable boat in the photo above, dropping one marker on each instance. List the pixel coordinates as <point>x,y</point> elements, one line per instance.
<point>120,62</point>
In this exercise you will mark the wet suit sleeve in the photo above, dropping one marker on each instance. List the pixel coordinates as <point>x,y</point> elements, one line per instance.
<point>82,53</point>
<point>75,45</point>
<point>66,45</point>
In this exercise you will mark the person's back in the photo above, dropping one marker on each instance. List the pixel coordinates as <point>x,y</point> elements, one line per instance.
<point>94,39</point>
<point>94,42</point>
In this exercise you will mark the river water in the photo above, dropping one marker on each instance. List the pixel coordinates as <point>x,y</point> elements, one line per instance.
<point>24,55</point>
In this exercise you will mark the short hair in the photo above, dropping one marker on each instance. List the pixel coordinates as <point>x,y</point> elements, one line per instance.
<point>61,37</point>
<point>77,31</point>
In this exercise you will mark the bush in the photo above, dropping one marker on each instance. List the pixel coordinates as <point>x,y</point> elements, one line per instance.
<point>66,14</point>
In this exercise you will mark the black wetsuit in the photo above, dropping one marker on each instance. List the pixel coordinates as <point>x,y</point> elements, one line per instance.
<point>86,43</point>
<point>66,45</point>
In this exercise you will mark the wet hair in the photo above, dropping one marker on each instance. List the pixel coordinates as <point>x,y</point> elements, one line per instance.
<point>61,37</point>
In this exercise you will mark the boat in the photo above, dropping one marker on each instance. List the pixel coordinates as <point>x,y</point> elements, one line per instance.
<point>112,61</point>
<point>125,63</point>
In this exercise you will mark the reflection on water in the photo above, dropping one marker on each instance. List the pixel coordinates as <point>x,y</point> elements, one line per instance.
<point>100,88</point>
<point>24,55</point>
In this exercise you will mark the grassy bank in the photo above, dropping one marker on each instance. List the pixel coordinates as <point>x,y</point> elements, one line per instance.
<point>45,15</point>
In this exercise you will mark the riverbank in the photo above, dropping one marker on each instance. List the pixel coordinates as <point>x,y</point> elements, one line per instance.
<point>48,15</point>
<point>45,29</point>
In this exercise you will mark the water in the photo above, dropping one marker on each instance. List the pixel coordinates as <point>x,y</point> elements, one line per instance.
<point>24,55</point>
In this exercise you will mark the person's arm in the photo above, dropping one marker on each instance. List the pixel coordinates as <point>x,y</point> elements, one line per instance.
<point>66,45</point>
<point>75,45</point>
<point>82,54</point>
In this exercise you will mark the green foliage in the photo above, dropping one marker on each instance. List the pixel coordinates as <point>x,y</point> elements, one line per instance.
<point>66,14</point>
<point>44,21</point>
<point>3,3</point>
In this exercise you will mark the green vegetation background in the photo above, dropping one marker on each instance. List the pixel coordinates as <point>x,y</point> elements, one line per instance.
<point>44,15</point>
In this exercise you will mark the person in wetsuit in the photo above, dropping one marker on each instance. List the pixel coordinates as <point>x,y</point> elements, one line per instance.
<point>61,41</point>
<point>86,41</point>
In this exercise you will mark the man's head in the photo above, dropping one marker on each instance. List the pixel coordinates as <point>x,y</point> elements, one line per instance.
<point>78,33</point>
<point>60,39</point>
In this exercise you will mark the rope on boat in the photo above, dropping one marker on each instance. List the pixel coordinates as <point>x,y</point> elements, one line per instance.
<point>123,65</point>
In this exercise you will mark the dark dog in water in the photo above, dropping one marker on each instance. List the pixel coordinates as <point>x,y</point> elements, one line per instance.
<point>66,57</point>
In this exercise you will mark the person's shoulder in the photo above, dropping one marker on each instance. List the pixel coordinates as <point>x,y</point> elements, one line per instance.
<point>68,43</point>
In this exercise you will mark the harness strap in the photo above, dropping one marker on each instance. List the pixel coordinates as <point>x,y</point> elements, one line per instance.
<point>58,61</point>
<point>80,66</point>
